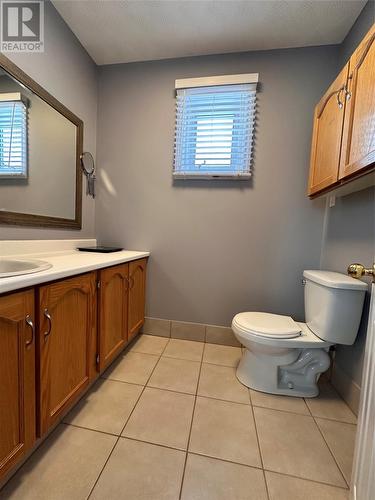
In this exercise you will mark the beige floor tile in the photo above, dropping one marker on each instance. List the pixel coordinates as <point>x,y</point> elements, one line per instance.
<point>292,444</point>
<point>341,440</point>
<point>224,430</point>
<point>162,417</point>
<point>330,405</point>
<point>286,403</point>
<point>222,354</point>
<point>211,479</point>
<point>176,375</point>
<point>64,467</point>
<point>149,344</point>
<point>140,471</point>
<point>106,407</point>
<point>290,488</point>
<point>184,349</point>
<point>221,382</point>
<point>133,367</point>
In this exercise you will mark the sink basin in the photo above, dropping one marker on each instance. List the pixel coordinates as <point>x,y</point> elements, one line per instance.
<point>17,267</point>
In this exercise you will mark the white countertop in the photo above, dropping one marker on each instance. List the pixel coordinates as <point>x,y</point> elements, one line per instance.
<point>65,263</point>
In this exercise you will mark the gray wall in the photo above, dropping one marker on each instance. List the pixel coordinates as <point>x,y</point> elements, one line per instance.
<point>69,74</point>
<point>350,231</point>
<point>350,237</point>
<point>217,247</point>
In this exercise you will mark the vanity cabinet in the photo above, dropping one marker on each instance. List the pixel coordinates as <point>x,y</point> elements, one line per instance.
<point>113,312</point>
<point>121,307</point>
<point>17,376</point>
<point>66,344</point>
<point>343,141</point>
<point>137,292</point>
<point>54,341</point>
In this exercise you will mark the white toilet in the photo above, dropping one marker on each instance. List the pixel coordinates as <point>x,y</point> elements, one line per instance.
<point>283,356</point>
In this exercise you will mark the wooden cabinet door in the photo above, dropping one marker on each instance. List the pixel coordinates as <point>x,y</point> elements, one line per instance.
<point>113,312</point>
<point>137,295</point>
<point>358,150</point>
<point>66,329</point>
<point>327,134</point>
<point>17,377</point>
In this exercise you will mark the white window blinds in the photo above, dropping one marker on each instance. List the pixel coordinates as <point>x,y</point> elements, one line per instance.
<point>13,139</point>
<point>214,131</point>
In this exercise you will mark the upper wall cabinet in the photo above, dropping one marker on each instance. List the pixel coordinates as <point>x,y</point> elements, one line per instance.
<point>343,142</point>
<point>327,133</point>
<point>358,146</point>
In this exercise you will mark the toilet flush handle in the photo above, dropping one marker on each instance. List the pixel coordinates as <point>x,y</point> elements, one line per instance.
<point>359,270</point>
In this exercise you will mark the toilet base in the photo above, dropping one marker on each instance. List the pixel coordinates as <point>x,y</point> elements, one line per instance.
<point>295,372</point>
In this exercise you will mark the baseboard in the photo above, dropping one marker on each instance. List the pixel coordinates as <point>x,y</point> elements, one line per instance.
<point>184,330</point>
<point>346,387</point>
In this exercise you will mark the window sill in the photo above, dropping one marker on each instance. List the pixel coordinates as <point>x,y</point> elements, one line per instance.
<point>198,176</point>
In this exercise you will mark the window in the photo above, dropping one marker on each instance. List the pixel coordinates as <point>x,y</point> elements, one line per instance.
<point>214,130</point>
<point>13,136</point>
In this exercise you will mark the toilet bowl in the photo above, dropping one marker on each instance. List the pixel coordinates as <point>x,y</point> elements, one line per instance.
<point>279,361</point>
<point>286,357</point>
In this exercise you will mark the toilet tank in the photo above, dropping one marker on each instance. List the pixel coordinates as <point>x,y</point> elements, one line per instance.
<point>333,305</point>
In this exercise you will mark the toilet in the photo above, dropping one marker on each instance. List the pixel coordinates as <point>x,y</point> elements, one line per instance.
<point>283,356</point>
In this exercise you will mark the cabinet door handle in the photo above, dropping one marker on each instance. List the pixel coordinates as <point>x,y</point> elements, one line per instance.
<point>48,316</point>
<point>127,282</point>
<point>348,94</point>
<point>340,103</point>
<point>30,323</point>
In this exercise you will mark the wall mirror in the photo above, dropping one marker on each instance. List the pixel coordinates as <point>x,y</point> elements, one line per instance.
<point>40,149</point>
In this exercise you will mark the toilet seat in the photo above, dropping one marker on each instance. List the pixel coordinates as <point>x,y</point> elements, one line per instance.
<point>302,340</point>
<point>267,325</point>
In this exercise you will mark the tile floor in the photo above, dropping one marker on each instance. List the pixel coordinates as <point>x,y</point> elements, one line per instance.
<point>170,421</point>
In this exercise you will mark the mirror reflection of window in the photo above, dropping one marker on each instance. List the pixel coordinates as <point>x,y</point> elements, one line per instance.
<point>13,136</point>
<point>40,146</point>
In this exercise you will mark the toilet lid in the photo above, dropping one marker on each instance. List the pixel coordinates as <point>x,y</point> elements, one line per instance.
<point>267,325</point>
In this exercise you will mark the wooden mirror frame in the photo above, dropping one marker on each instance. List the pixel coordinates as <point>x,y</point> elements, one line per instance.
<point>33,220</point>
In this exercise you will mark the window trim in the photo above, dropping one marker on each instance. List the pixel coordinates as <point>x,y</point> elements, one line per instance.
<point>210,81</point>
<point>195,83</point>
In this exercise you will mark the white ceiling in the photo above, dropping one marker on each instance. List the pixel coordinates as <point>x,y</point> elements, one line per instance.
<point>140,30</point>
